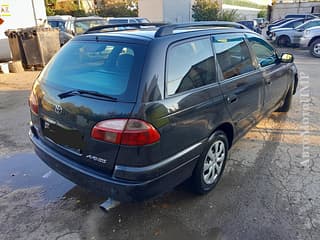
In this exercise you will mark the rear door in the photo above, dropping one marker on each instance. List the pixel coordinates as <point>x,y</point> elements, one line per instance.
<point>241,82</point>
<point>193,98</point>
<point>274,73</point>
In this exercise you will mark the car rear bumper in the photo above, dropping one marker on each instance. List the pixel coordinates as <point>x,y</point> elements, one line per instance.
<point>115,188</point>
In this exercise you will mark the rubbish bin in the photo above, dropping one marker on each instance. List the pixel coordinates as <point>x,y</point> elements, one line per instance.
<point>15,45</point>
<point>39,45</point>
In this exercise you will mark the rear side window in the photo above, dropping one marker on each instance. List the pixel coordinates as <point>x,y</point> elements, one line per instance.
<point>118,21</point>
<point>109,68</point>
<point>190,65</point>
<point>233,55</point>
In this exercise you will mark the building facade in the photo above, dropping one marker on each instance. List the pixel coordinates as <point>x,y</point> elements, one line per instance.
<point>177,11</point>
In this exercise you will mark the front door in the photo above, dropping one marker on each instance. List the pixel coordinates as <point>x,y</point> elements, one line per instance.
<point>275,75</point>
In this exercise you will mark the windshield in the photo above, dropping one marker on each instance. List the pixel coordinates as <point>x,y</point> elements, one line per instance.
<point>309,24</point>
<point>83,25</point>
<point>112,69</point>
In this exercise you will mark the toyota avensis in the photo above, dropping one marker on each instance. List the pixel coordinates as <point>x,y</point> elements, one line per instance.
<point>132,111</point>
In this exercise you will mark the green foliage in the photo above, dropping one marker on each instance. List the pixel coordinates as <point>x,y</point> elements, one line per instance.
<point>50,11</point>
<point>119,9</point>
<point>262,13</point>
<point>74,13</point>
<point>206,10</point>
<point>231,16</point>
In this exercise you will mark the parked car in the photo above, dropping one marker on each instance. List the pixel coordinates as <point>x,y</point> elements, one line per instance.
<point>122,20</point>
<point>307,16</point>
<point>132,114</point>
<point>286,37</point>
<point>251,24</point>
<point>262,22</point>
<point>311,40</point>
<point>287,25</point>
<point>58,21</point>
<point>276,23</point>
<point>77,26</point>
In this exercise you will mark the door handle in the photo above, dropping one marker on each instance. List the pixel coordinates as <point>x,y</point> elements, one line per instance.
<point>232,99</point>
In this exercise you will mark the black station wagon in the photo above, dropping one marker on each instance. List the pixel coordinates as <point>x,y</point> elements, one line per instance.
<point>132,113</point>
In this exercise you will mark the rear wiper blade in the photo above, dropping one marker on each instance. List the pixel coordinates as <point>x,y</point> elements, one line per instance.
<point>75,92</point>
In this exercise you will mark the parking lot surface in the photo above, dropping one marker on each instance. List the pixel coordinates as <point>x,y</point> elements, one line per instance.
<point>270,188</point>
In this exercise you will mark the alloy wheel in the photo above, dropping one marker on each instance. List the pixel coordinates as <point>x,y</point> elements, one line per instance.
<point>214,160</point>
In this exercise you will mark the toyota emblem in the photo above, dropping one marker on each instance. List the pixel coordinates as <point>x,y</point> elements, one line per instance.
<point>58,109</point>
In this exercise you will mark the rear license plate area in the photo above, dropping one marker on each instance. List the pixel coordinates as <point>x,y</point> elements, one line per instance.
<point>61,134</point>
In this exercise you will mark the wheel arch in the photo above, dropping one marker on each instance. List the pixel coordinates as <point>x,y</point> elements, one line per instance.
<point>313,39</point>
<point>228,129</point>
<point>283,36</point>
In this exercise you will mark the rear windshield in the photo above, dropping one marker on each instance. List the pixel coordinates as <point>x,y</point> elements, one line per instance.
<point>108,68</point>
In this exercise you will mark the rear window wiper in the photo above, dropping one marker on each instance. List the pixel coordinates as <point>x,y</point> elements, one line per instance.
<point>75,92</point>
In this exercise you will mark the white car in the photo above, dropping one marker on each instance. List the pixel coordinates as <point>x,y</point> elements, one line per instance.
<point>311,40</point>
<point>291,36</point>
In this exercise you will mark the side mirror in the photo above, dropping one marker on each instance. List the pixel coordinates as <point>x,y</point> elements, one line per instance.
<point>286,58</point>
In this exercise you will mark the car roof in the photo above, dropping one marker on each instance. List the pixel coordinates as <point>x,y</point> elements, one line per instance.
<point>145,35</point>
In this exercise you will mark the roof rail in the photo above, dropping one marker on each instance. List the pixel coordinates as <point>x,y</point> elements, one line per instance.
<point>126,26</point>
<point>168,29</point>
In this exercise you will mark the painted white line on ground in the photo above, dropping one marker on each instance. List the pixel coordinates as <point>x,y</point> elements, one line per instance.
<point>47,175</point>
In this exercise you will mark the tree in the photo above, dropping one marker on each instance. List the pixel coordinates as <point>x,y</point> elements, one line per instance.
<point>262,13</point>
<point>53,7</point>
<point>119,8</point>
<point>207,10</point>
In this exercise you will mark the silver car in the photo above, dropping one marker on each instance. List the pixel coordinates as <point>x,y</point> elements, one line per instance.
<point>311,40</point>
<point>291,36</point>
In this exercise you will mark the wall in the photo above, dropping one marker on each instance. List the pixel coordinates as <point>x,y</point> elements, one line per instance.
<point>178,11</point>
<point>20,15</point>
<point>279,10</point>
<point>244,13</point>
<point>151,9</point>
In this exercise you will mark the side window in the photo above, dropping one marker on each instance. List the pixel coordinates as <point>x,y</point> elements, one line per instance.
<point>297,23</point>
<point>233,55</point>
<point>190,65</point>
<point>264,53</point>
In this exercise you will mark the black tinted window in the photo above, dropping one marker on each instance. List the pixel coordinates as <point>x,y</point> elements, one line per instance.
<point>57,24</point>
<point>233,55</point>
<point>265,54</point>
<point>108,68</point>
<point>118,21</point>
<point>190,65</point>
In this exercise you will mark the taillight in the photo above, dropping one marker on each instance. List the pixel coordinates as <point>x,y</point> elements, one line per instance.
<point>33,103</point>
<point>132,132</point>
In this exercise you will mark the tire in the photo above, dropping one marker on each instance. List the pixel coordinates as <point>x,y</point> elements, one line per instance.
<point>287,101</point>
<point>283,41</point>
<point>210,166</point>
<point>315,48</point>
